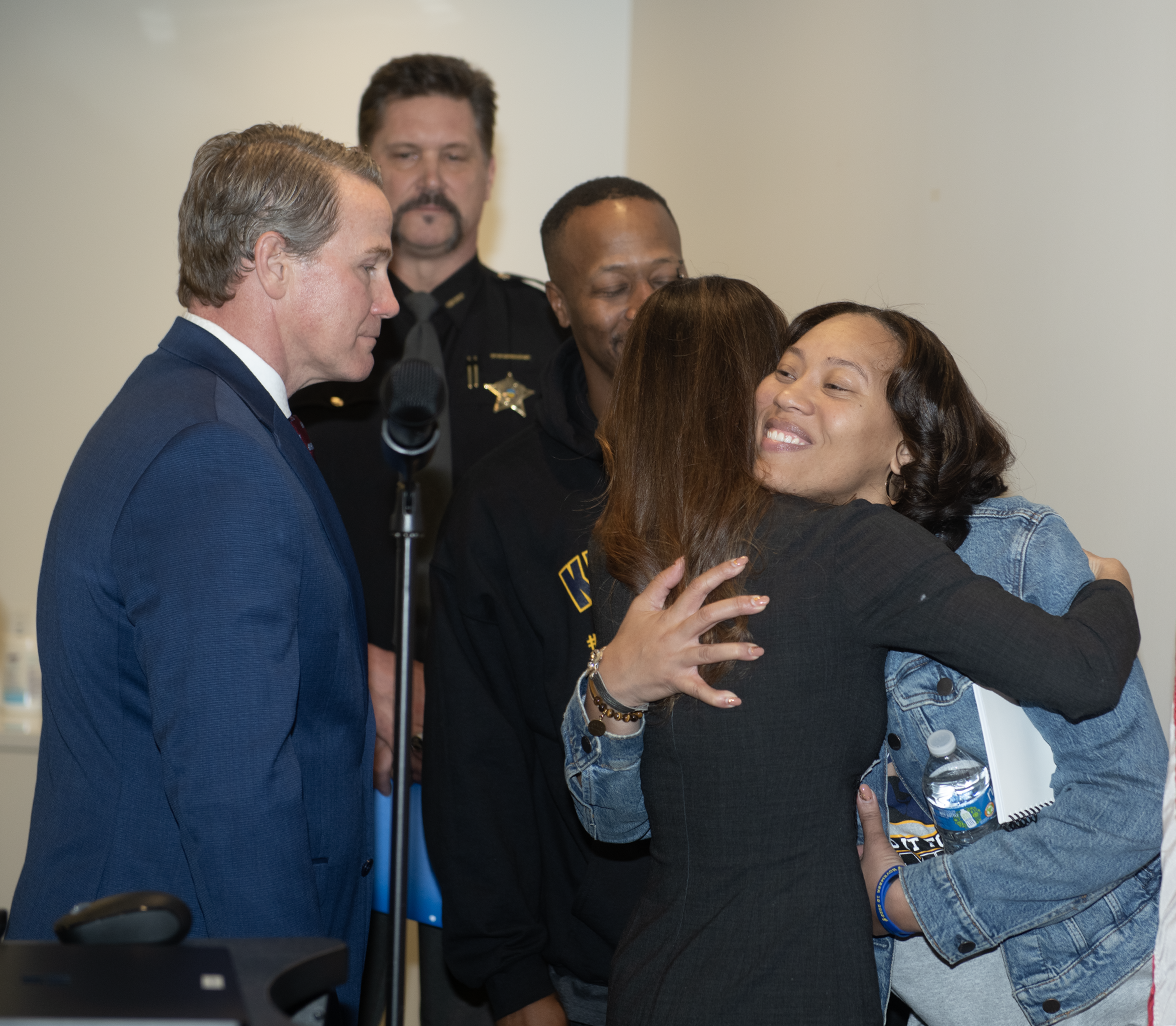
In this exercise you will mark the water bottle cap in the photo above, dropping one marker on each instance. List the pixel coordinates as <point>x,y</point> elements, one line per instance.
<point>941,743</point>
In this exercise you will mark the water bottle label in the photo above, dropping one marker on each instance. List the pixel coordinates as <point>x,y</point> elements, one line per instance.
<point>965,817</point>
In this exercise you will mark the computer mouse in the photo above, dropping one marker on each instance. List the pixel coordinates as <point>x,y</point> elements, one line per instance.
<point>137,917</point>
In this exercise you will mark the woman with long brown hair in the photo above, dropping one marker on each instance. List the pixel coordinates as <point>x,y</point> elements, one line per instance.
<point>756,909</point>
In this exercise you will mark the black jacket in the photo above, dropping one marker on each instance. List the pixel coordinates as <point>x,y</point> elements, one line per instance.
<point>524,887</point>
<point>489,324</point>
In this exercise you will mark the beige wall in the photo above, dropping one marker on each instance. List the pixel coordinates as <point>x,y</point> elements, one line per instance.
<point>1004,171</point>
<point>102,106</point>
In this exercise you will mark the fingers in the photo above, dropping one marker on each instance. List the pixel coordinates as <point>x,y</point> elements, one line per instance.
<point>382,687</point>
<point>1106,568</point>
<point>697,590</point>
<point>871,816</point>
<point>418,697</point>
<point>658,590</point>
<point>690,602</point>
<point>656,653</point>
<point>382,769</point>
<point>727,609</point>
<point>719,699</point>
<point>876,854</point>
<point>879,853</point>
<point>739,651</point>
<point>381,667</point>
<point>1101,566</point>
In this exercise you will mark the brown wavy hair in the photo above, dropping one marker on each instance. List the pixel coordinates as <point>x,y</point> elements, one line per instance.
<point>960,454</point>
<point>679,436</point>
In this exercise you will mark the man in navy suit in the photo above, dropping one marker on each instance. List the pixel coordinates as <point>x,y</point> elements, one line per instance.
<point>207,726</point>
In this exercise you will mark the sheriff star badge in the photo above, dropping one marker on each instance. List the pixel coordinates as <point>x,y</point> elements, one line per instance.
<point>510,394</point>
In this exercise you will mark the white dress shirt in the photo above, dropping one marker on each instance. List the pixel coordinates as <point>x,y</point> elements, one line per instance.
<point>270,379</point>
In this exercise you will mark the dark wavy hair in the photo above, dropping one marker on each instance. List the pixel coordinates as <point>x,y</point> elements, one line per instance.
<point>959,453</point>
<point>428,74</point>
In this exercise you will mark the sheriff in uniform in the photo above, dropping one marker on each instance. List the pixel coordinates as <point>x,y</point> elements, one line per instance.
<point>428,121</point>
<point>496,333</point>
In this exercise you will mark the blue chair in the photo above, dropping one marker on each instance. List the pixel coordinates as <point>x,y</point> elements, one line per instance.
<point>424,896</point>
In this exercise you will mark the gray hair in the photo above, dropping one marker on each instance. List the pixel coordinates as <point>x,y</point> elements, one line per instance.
<point>268,178</point>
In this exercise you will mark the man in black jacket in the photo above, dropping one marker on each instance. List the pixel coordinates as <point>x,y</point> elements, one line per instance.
<point>532,906</point>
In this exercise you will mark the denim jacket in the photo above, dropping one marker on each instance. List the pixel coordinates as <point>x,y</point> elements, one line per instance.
<point>1072,899</point>
<point>604,775</point>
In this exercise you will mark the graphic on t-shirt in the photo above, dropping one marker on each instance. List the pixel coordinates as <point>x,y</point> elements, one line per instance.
<point>912,834</point>
<point>574,576</point>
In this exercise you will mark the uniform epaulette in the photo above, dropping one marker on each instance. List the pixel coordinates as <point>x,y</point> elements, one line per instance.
<point>522,279</point>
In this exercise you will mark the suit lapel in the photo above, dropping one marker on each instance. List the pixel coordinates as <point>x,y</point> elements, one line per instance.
<point>192,343</point>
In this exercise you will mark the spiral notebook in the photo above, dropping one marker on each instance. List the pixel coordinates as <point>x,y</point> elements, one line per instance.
<point>1020,760</point>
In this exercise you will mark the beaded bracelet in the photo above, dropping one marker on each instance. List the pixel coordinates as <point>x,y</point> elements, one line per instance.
<point>880,904</point>
<point>624,714</point>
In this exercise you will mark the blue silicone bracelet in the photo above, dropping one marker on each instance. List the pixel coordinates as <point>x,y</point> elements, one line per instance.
<point>880,904</point>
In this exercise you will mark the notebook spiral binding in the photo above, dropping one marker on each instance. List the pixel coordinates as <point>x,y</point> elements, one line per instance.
<point>1023,819</point>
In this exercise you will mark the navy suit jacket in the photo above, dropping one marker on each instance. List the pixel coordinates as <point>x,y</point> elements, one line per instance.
<point>207,727</point>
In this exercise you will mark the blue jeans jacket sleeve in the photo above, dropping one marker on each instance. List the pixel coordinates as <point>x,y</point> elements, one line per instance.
<point>604,776</point>
<point>1104,824</point>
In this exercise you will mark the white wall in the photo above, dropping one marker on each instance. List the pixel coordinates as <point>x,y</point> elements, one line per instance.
<point>102,106</point>
<point>1004,171</point>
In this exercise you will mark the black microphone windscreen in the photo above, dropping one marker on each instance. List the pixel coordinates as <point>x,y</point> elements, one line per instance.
<point>413,396</point>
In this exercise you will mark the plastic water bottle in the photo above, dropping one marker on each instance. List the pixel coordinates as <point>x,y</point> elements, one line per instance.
<point>959,791</point>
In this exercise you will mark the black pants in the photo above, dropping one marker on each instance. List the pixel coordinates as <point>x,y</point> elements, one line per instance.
<point>445,1001</point>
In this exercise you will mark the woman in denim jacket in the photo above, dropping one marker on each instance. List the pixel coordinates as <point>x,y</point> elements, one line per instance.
<point>1069,902</point>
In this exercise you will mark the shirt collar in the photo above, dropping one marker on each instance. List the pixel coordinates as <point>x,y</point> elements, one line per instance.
<point>453,295</point>
<point>269,378</point>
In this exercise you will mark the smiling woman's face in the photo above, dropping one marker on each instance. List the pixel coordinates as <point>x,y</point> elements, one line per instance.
<point>825,430</point>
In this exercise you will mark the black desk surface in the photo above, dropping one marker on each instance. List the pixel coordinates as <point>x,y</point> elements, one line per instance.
<point>272,973</point>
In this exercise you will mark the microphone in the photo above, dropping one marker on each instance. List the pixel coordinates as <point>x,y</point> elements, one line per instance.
<point>413,396</point>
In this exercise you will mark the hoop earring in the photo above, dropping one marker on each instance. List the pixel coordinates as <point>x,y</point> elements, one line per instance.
<point>891,477</point>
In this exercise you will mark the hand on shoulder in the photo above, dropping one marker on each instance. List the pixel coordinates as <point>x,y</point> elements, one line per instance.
<point>1107,568</point>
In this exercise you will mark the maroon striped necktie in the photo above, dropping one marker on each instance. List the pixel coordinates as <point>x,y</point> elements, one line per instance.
<point>300,428</point>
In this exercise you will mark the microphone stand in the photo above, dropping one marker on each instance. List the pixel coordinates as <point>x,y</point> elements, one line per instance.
<point>421,403</point>
<point>406,529</point>
<point>406,522</point>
